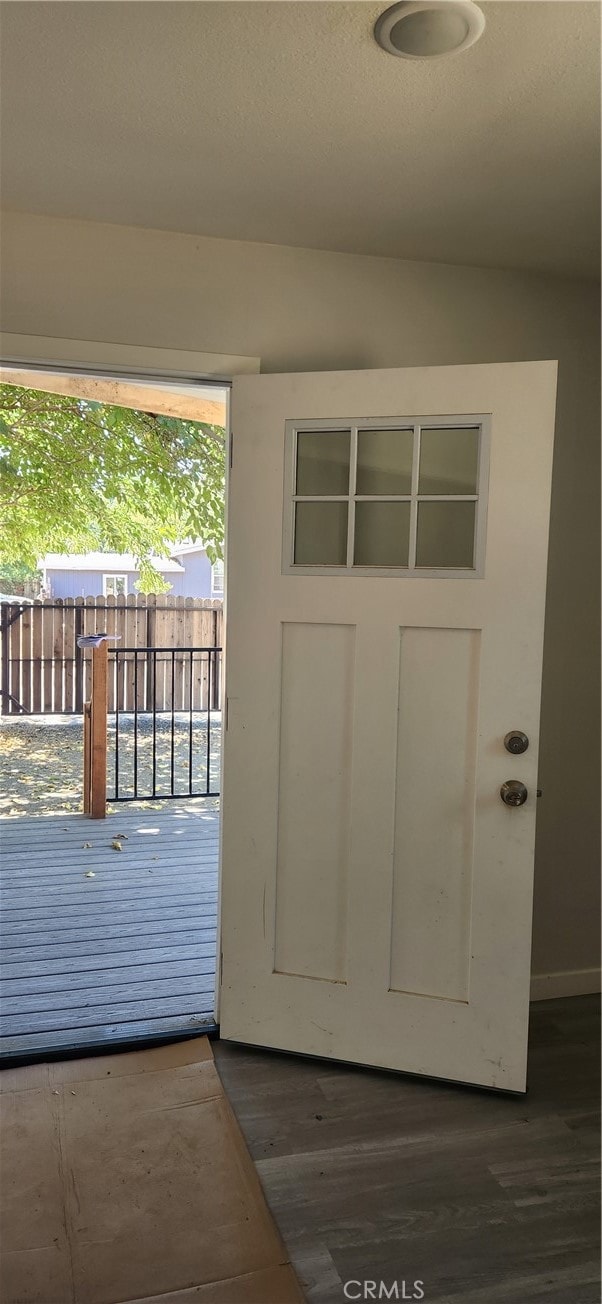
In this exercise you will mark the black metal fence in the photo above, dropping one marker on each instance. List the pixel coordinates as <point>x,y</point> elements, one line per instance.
<point>156,752</point>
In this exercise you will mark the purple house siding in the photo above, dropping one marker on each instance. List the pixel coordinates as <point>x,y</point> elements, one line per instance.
<point>196,581</point>
<point>193,580</point>
<point>88,584</point>
<point>177,589</point>
<point>74,583</point>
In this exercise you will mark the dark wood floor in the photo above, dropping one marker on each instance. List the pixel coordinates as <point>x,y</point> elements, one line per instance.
<point>487,1199</point>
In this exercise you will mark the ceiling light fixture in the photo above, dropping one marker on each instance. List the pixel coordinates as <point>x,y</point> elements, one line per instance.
<point>429,29</point>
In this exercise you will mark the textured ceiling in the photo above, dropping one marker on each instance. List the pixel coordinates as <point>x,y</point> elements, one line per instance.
<point>284,122</point>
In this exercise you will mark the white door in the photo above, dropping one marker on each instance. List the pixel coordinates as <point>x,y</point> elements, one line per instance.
<point>386,583</point>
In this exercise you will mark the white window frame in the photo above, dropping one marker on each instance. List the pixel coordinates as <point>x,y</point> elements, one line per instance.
<point>115,575</point>
<point>481,420</point>
<point>217,590</point>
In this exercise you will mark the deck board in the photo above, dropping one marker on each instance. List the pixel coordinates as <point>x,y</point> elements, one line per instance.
<point>128,953</point>
<point>122,974</point>
<point>102,913</point>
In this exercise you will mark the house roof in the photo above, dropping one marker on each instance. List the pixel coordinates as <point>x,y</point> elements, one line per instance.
<point>120,563</point>
<point>184,549</point>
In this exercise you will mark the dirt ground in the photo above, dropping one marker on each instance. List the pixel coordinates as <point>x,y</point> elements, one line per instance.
<point>41,762</point>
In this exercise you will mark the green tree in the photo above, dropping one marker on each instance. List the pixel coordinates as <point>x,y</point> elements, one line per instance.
<point>152,583</point>
<point>77,476</point>
<point>14,573</point>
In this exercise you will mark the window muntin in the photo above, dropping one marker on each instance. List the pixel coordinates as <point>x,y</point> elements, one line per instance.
<point>382,533</point>
<point>323,462</point>
<point>449,460</point>
<point>321,533</point>
<point>393,497</point>
<point>445,534</point>
<point>384,462</point>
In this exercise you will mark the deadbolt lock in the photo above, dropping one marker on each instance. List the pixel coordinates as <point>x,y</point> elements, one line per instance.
<point>513,792</point>
<point>516,742</point>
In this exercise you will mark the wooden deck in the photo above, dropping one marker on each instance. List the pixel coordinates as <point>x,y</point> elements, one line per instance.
<point>100,946</point>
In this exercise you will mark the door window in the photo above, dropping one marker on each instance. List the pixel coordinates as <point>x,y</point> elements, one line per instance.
<point>405,498</point>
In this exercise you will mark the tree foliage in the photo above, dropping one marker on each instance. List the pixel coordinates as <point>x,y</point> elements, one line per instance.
<point>151,582</point>
<point>79,476</point>
<point>15,573</point>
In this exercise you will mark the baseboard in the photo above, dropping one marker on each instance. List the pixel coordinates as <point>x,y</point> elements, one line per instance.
<point>571,982</point>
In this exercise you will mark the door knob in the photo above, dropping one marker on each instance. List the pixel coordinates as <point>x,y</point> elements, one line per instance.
<point>513,792</point>
<point>516,742</point>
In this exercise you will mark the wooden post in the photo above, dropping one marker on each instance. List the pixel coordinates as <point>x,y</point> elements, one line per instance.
<point>98,731</point>
<point>6,614</point>
<point>78,669</point>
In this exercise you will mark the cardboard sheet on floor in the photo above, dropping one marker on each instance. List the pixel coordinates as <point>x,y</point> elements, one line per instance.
<point>126,1178</point>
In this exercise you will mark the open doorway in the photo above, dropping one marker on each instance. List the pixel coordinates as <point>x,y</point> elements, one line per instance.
<point>110,925</point>
<point>306,769</point>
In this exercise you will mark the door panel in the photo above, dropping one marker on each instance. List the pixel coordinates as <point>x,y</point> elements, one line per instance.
<point>376,891</point>
<point>314,801</point>
<point>435,812</point>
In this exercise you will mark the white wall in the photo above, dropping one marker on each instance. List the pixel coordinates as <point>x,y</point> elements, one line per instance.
<point>301,309</point>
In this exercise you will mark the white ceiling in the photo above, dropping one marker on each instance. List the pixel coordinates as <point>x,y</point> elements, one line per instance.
<point>284,122</point>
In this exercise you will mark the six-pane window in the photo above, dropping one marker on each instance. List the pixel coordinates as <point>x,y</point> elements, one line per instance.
<point>387,497</point>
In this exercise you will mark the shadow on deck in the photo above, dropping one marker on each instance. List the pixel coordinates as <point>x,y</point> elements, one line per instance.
<point>100,946</point>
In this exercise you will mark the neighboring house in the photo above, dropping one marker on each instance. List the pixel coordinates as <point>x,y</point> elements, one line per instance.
<point>89,574</point>
<point>188,572</point>
<point>202,579</point>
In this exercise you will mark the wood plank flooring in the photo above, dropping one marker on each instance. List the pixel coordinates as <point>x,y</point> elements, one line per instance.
<point>485,1198</point>
<point>99,946</point>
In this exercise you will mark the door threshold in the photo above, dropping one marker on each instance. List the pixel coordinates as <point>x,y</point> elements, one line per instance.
<point>113,1046</point>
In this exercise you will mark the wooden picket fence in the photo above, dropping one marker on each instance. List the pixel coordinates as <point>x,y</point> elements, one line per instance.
<point>43,671</point>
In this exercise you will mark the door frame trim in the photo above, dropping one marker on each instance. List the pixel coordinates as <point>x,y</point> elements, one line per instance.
<point>171,365</point>
<point>133,362</point>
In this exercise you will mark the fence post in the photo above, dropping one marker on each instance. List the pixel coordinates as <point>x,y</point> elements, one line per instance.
<point>5,693</point>
<point>98,733</point>
<point>78,665</point>
<point>151,621</point>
